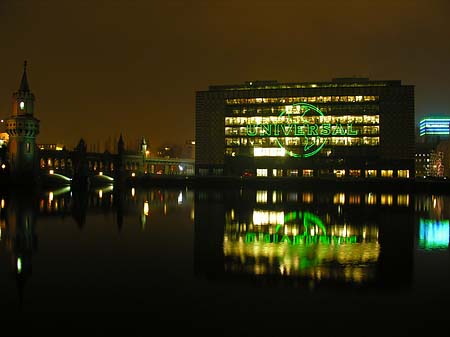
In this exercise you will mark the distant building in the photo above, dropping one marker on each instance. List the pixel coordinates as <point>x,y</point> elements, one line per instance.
<point>349,127</point>
<point>57,147</point>
<point>429,161</point>
<point>434,129</point>
<point>432,148</point>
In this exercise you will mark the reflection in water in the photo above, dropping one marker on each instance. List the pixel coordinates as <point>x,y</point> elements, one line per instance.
<point>21,210</point>
<point>307,239</point>
<point>325,238</point>
<point>18,235</point>
<point>302,244</point>
<point>433,213</point>
<point>433,234</point>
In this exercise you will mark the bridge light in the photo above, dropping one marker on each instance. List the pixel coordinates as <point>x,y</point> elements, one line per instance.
<point>19,265</point>
<point>3,166</point>
<point>51,172</point>
<point>133,174</point>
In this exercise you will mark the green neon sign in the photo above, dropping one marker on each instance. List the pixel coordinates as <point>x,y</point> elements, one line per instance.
<point>315,135</point>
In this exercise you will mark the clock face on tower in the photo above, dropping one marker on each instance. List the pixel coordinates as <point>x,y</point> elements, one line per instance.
<point>22,105</point>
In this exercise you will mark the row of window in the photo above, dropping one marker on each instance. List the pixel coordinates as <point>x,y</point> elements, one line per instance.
<point>262,197</point>
<point>308,99</point>
<point>339,173</point>
<point>325,108</point>
<point>347,119</point>
<point>299,141</point>
<point>245,131</point>
<point>92,165</point>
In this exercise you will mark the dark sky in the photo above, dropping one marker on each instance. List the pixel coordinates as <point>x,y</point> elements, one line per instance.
<point>101,67</point>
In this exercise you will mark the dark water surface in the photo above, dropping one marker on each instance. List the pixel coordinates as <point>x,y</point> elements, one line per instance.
<point>228,262</point>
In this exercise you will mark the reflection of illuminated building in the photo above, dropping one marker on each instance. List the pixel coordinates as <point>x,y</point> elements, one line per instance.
<point>79,204</point>
<point>18,235</point>
<point>434,234</point>
<point>338,237</point>
<point>302,245</point>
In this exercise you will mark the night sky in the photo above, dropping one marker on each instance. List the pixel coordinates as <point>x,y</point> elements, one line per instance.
<point>102,67</point>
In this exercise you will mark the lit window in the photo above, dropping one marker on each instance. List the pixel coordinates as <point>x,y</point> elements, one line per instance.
<point>403,173</point>
<point>403,200</point>
<point>387,199</point>
<point>370,199</point>
<point>339,198</point>
<point>339,173</point>
<point>387,173</point>
<point>261,172</point>
<point>354,173</point>
<point>269,152</point>
<point>22,105</point>
<point>308,173</point>
<point>371,173</point>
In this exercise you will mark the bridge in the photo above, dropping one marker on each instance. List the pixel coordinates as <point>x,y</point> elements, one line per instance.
<point>62,167</point>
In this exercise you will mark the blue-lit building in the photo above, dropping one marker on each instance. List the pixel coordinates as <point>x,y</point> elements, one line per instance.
<point>435,127</point>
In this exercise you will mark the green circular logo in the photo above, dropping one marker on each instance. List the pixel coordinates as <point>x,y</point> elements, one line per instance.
<point>313,143</point>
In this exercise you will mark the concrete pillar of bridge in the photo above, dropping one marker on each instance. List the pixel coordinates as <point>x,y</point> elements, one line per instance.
<point>119,165</point>
<point>80,165</point>
<point>144,153</point>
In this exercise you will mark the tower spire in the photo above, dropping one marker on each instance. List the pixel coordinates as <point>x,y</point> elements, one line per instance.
<point>24,82</point>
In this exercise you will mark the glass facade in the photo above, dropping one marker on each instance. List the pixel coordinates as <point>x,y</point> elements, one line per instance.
<point>253,125</point>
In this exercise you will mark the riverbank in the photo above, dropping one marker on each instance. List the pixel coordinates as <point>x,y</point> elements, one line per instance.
<point>375,184</point>
<point>417,185</point>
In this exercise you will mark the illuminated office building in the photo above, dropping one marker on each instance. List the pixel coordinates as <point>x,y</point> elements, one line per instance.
<point>349,127</point>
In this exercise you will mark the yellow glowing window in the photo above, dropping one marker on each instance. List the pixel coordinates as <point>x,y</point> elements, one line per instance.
<point>403,200</point>
<point>339,198</point>
<point>354,173</point>
<point>403,173</point>
<point>339,173</point>
<point>308,173</point>
<point>261,197</point>
<point>277,172</point>
<point>292,173</point>
<point>307,198</point>
<point>370,199</point>
<point>371,173</point>
<point>387,173</point>
<point>387,199</point>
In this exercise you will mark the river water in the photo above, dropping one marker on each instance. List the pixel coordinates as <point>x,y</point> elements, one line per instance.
<point>229,262</point>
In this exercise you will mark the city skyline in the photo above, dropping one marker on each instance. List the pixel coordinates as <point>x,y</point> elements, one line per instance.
<point>133,67</point>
